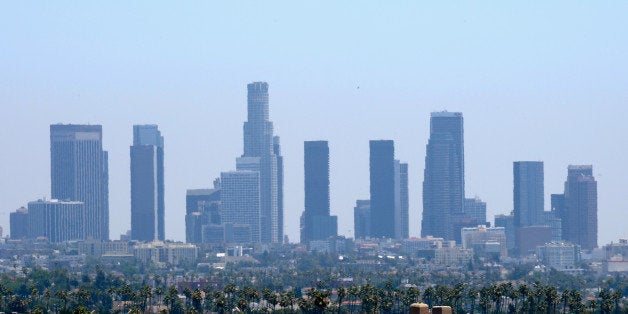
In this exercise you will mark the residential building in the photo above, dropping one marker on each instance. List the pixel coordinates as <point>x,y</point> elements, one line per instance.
<point>561,256</point>
<point>485,241</point>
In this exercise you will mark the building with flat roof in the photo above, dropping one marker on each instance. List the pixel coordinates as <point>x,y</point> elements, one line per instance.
<point>57,221</point>
<point>241,200</point>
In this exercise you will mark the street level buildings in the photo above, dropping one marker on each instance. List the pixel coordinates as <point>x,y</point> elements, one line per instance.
<point>79,172</point>
<point>147,184</point>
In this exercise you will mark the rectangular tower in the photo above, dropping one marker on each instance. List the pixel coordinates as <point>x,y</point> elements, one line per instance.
<point>443,180</point>
<point>317,224</point>
<point>528,192</point>
<point>241,201</point>
<point>401,200</point>
<point>78,172</point>
<point>57,221</point>
<point>382,175</point>
<point>579,220</point>
<point>147,184</point>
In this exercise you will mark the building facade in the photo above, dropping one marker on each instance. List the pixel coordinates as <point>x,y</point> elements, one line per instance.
<point>79,172</point>
<point>362,219</point>
<point>382,187</point>
<point>402,202</point>
<point>147,184</point>
<point>443,181</point>
<point>241,201</point>
<point>317,224</point>
<point>579,218</point>
<point>57,221</point>
<point>260,144</point>
<point>18,221</point>
<point>528,192</point>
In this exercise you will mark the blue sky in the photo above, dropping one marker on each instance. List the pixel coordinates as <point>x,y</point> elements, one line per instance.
<point>535,81</point>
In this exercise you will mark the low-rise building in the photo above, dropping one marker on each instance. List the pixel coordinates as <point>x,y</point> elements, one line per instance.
<point>562,256</point>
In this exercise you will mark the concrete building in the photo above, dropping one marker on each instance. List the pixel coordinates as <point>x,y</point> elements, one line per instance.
<point>616,257</point>
<point>485,241</point>
<point>475,208</point>
<point>443,181</point>
<point>528,238</point>
<point>561,256</point>
<point>57,221</point>
<point>165,252</point>
<point>147,184</point>
<point>79,172</point>
<point>241,201</point>
<point>508,223</point>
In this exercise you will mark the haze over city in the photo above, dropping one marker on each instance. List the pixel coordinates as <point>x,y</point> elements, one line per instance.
<point>545,83</point>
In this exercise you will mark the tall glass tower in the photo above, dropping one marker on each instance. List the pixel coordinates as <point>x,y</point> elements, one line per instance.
<point>579,218</point>
<point>260,147</point>
<point>78,172</point>
<point>317,224</point>
<point>528,192</point>
<point>382,175</point>
<point>443,181</point>
<point>147,184</point>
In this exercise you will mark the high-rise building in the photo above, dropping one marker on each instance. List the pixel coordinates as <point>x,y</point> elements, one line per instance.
<point>443,181</point>
<point>79,172</point>
<point>382,173</point>
<point>579,218</point>
<point>317,224</point>
<point>147,184</point>
<point>259,149</point>
<point>508,223</point>
<point>57,221</point>
<point>202,208</point>
<point>401,201</point>
<point>19,223</point>
<point>362,219</point>
<point>475,209</point>
<point>241,201</point>
<point>277,152</point>
<point>528,193</point>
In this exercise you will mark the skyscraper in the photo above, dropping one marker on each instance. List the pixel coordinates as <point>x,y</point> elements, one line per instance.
<point>401,201</point>
<point>259,155</point>
<point>277,151</point>
<point>241,201</point>
<point>317,224</point>
<point>443,181</point>
<point>57,221</point>
<point>528,193</point>
<point>579,220</point>
<point>382,175</point>
<point>362,219</point>
<point>147,184</point>
<point>79,172</point>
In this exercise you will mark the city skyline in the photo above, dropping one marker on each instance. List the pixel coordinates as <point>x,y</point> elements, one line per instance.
<point>543,84</point>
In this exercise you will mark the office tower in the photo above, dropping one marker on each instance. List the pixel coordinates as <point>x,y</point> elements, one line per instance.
<point>317,223</point>
<point>79,172</point>
<point>18,221</point>
<point>382,174</point>
<point>508,222</point>
<point>475,209</point>
<point>202,208</point>
<point>443,180</point>
<point>362,219</point>
<point>277,151</point>
<point>528,193</point>
<point>240,203</point>
<point>147,184</point>
<point>401,200</point>
<point>579,220</point>
<point>57,221</point>
<point>259,155</point>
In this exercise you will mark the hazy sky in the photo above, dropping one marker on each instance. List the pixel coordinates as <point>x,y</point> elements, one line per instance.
<point>535,80</point>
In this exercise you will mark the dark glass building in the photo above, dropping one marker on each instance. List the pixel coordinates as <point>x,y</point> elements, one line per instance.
<point>19,223</point>
<point>579,218</point>
<point>79,172</point>
<point>382,178</point>
<point>401,201</point>
<point>362,219</point>
<point>443,180</point>
<point>147,184</point>
<point>528,193</point>
<point>317,224</point>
